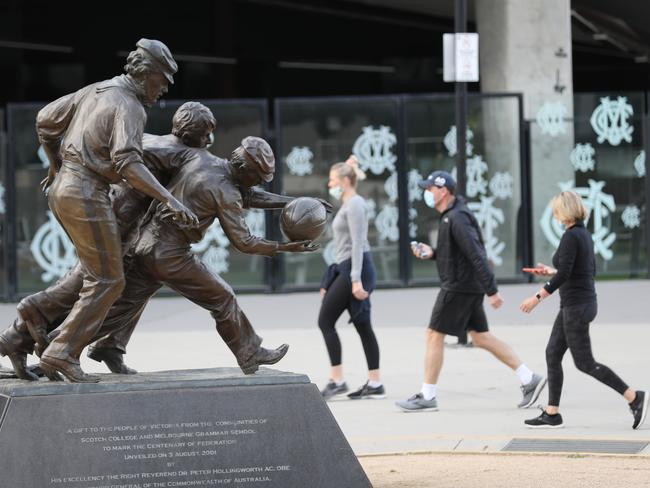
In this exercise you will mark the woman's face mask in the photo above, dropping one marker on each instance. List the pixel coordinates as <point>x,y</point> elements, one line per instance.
<point>336,192</point>
<point>429,199</point>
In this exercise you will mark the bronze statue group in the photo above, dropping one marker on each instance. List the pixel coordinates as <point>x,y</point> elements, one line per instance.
<point>117,192</point>
<point>134,203</point>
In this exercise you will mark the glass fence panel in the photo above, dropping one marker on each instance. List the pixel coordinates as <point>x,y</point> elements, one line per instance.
<point>313,135</point>
<point>493,172</point>
<point>43,251</point>
<point>601,157</point>
<point>3,208</point>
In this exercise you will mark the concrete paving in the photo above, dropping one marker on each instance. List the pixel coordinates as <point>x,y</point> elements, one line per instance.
<point>477,394</point>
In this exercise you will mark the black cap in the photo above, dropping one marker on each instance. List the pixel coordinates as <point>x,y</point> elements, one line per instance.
<point>440,179</point>
<point>259,151</point>
<point>160,55</point>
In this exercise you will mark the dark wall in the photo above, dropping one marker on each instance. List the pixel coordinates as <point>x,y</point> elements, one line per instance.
<point>259,34</point>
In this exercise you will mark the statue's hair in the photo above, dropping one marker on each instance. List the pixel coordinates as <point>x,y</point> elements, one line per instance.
<point>138,65</point>
<point>191,120</point>
<point>238,158</point>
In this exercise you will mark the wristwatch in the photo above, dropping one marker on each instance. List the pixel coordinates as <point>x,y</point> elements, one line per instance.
<point>538,296</point>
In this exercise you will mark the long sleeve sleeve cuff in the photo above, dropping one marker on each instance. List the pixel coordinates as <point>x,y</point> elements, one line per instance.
<point>549,287</point>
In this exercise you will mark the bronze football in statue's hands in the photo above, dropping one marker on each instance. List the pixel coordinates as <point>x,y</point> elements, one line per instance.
<point>303,219</point>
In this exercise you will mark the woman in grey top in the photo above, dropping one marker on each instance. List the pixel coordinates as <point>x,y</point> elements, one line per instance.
<point>347,284</point>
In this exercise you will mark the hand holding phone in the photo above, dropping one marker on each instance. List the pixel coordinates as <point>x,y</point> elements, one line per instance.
<point>418,250</point>
<point>540,270</point>
<point>533,270</point>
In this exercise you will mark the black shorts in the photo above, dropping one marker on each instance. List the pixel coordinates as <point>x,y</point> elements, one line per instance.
<point>456,312</point>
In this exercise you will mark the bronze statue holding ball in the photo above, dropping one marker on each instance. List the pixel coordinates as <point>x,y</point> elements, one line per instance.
<point>213,188</point>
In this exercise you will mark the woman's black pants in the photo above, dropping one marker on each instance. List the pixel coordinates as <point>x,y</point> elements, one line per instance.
<point>571,331</point>
<point>336,301</point>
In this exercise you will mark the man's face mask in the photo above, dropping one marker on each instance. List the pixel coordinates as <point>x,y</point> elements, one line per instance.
<point>429,199</point>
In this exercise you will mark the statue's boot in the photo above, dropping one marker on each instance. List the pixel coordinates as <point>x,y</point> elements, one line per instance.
<point>51,366</point>
<point>36,324</point>
<point>19,362</point>
<point>111,357</point>
<point>263,356</point>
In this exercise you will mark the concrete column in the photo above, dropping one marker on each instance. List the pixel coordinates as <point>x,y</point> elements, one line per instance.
<point>525,47</point>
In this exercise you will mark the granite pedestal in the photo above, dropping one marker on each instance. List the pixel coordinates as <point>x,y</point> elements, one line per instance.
<point>212,427</point>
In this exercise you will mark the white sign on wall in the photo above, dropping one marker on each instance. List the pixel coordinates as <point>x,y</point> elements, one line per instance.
<point>460,56</point>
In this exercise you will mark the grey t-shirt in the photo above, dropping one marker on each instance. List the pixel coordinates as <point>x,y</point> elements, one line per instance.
<point>350,228</point>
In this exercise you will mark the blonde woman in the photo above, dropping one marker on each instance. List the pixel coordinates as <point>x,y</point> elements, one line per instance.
<point>573,271</point>
<point>347,284</point>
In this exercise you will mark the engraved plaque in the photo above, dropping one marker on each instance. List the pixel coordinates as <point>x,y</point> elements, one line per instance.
<point>199,430</point>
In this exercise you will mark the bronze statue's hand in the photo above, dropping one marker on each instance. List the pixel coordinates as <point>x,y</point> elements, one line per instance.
<point>45,184</point>
<point>326,204</point>
<point>48,180</point>
<point>298,246</point>
<point>39,348</point>
<point>180,213</point>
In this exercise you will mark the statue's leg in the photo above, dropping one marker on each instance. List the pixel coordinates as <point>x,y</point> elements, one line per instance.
<point>38,315</point>
<point>42,312</point>
<point>16,344</point>
<point>116,330</point>
<point>187,275</point>
<point>83,208</point>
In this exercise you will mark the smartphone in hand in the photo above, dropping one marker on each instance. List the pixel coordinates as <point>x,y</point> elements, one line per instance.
<point>418,247</point>
<point>537,270</point>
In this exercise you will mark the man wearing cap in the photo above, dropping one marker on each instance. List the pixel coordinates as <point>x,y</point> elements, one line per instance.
<point>213,188</point>
<point>93,138</point>
<point>465,277</point>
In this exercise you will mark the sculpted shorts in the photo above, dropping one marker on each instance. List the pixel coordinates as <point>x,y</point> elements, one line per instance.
<point>455,312</point>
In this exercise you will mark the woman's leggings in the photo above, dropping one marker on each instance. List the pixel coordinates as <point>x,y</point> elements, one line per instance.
<point>335,302</point>
<point>571,331</point>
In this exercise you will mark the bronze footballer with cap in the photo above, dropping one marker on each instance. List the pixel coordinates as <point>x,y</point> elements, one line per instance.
<point>93,138</point>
